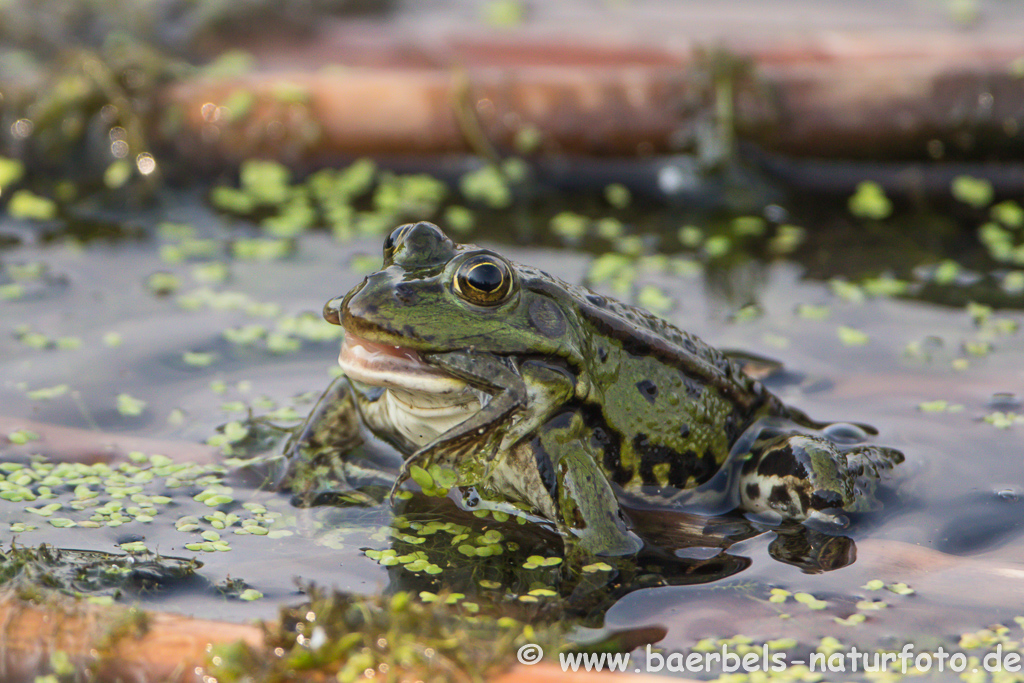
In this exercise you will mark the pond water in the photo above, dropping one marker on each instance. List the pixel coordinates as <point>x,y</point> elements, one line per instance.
<point>131,335</point>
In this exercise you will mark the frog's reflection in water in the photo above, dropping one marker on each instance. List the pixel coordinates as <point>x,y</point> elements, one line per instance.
<point>496,562</point>
<point>514,563</point>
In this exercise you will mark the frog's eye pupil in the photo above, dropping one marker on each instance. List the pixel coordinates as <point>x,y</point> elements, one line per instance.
<point>486,277</point>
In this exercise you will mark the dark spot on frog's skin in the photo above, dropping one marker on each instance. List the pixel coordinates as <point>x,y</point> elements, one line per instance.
<point>597,300</point>
<point>682,467</point>
<point>780,495</point>
<point>694,387</point>
<point>647,389</point>
<point>823,499</point>
<point>684,430</point>
<point>607,442</point>
<point>780,462</point>
<point>735,425</point>
<point>562,420</point>
<point>410,332</point>
<point>749,464</point>
<point>407,294</point>
<point>753,491</point>
<point>470,497</point>
<point>690,346</point>
<point>805,500</point>
<point>547,318</point>
<point>545,468</point>
<point>704,468</point>
<point>602,354</point>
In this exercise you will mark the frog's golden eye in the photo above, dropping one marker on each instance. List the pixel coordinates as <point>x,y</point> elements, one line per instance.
<point>483,280</point>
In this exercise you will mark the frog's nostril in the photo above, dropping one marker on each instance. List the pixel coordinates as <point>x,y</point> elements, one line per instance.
<point>331,311</point>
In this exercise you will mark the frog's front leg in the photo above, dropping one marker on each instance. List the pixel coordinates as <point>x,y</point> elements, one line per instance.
<point>468,447</point>
<point>799,476</point>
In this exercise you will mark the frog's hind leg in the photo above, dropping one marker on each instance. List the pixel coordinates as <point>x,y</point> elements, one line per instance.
<point>799,476</point>
<point>587,505</point>
<point>320,462</point>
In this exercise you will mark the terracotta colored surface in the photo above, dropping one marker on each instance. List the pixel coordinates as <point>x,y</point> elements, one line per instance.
<point>171,648</point>
<point>551,673</point>
<point>392,89</point>
<point>68,444</point>
<point>168,648</point>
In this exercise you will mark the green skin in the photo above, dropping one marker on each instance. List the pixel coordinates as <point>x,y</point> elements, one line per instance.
<point>589,400</point>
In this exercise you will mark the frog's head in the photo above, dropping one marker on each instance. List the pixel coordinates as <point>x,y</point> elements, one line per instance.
<point>433,296</point>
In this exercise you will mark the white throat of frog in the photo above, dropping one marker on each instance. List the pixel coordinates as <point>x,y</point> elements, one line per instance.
<point>420,402</point>
<point>420,417</point>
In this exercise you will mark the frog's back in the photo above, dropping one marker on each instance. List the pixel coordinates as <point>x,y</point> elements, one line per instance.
<point>664,407</point>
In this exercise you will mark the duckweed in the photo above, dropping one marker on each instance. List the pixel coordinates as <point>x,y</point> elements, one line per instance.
<point>22,436</point>
<point>939,406</point>
<point>1003,420</point>
<point>809,312</point>
<point>1009,213</point>
<point>810,601</point>
<point>869,201</point>
<point>29,206</point>
<point>198,359</point>
<point>130,406</point>
<point>850,336</point>
<point>536,561</point>
<point>487,186</point>
<point>11,171</point>
<point>654,299</point>
<point>459,219</point>
<point>976,192</point>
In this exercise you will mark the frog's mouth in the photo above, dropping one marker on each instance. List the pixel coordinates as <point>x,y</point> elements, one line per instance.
<point>399,368</point>
<point>421,402</point>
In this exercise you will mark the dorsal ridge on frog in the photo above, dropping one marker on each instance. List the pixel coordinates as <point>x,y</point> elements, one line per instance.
<point>557,400</point>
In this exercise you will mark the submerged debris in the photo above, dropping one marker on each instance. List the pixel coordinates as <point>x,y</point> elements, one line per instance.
<point>35,573</point>
<point>394,637</point>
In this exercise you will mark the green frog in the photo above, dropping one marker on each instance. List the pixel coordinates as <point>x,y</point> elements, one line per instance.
<point>559,403</point>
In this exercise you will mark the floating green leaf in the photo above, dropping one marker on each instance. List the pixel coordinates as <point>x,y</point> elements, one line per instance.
<point>129,405</point>
<point>976,192</point>
<point>24,204</point>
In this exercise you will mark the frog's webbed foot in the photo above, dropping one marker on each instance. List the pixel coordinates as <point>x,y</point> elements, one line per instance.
<point>800,476</point>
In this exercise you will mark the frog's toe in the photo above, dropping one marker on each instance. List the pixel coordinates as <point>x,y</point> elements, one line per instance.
<point>803,477</point>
